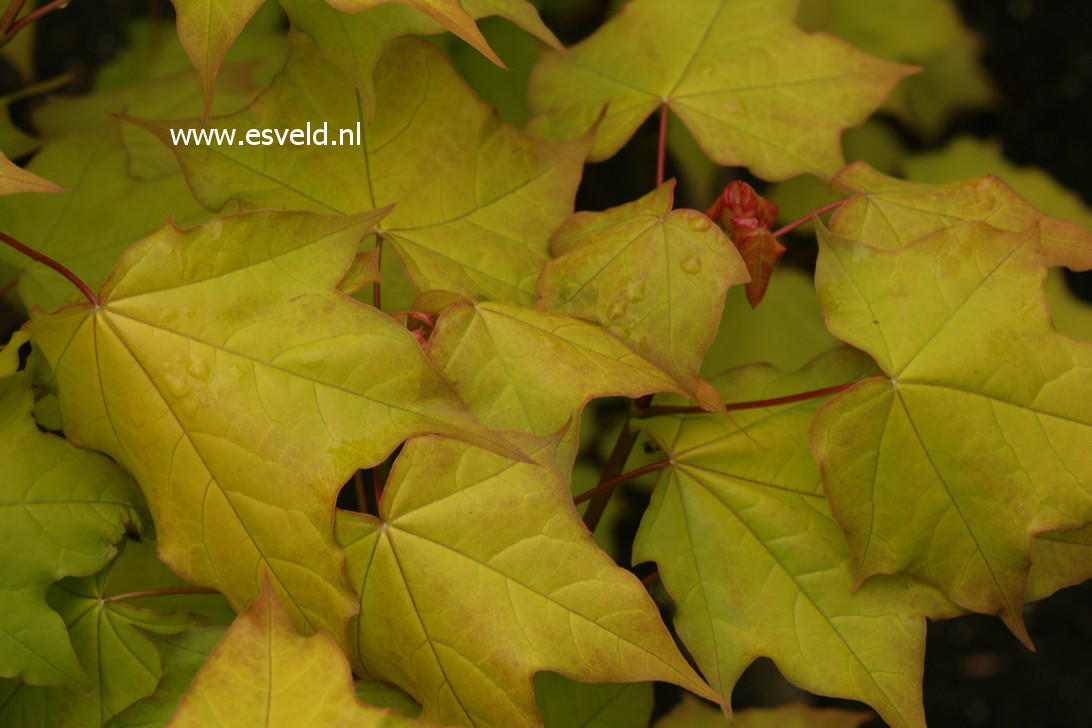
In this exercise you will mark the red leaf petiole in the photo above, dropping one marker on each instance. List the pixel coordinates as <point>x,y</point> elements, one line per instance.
<point>46,260</point>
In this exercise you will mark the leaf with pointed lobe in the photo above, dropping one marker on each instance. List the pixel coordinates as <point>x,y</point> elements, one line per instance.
<point>356,40</point>
<point>226,372</point>
<point>892,213</point>
<point>104,211</point>
<point>975,438</point>
<point>566,703</point>
<point>752,88</point>
<point>15,179</point>
<point>746,544</point>
<point>475,199</point>
<point>654,277</point>
<point>481,574</point>
<point>691,713</point>
<point>530,370</point>
<point>62,511</point>
<point>264,673</point>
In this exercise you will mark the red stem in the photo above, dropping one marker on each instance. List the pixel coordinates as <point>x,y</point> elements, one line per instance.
<point>651,578</point>
<point>661,152</point>
<point>358,488</point>
<point>7,288</point>
<point>44,10</point>
<point>613,482</point>
<point>756,404</point>
<point>377,297</point>
<point>797,223</point>
<point>14,8</point>
<point>377,486</point>
<point>45,260</point>
<point>172,591</point>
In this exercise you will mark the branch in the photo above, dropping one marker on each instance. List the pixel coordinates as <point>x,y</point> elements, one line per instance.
<point>44,10</point>
<point>8,19</point>
<point>46,260</point>
<point>827,208</point>
<point>613,482</point>
<point>754,404</point>
<point>169,592</point>
<point>615,463</point>
<point>661,151</point>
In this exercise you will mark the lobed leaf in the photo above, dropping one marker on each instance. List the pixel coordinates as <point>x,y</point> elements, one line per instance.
<point>473,214</point>
<point>654,277</point>
<point>975,437</point>
<point>15,180</point>
<point>478,574</point>
<point>752,88</point>
<point>566,703</point>
<point>746,545</point>
<point>225,371</point>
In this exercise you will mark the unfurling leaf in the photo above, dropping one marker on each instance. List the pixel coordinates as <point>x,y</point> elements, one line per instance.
<point>654,277</point>
<point>226,372</point>
<point>752,88</point>
<point>62,511</point>
<point>264,673</point>
<point>976,436</point>
<point>455,519</point>
<point>744,541</point>
<point>747,218</point>
<point>475,199</point>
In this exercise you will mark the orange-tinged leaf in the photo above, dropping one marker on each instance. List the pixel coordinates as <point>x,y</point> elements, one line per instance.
<point>892,213</point>
<point>225,371</point>
<point>264,673</point>
<point>976,437</point>
<point>752,88</point>
<point>14,179</point>
<point>478,574</point>
<point>654,277</point>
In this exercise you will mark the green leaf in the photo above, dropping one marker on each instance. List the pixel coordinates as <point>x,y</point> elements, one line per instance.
<point>264,673</point>
<point>104,211</point>
<point>566,703</point>
<point>691,713</point>
<point>976,436</point>
<point>1072,316</point>
<point>182,656</point>
<point>1059,559</point>
<point>480,574</point>
<point>752,88</point>
<point>654,277</point>
<point>242,390</point>
<point>758,567</point>
<point>207,28</point>
<point>14,180</point>
<point>62,511</point>
<point>891,213</point>
<point>476,200</point>
<point>928,33</point>
<point>114,645</point>
<point>493,353</point>
<point>356,41</point>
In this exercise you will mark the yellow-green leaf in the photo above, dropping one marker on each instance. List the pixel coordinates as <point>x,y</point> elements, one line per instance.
<point>264,673</point>
<point>494,354</point>
<point>976,436</point>
<point>478,574</point>
<point>892,213</point>
<point>745,543</point>
<point>356,40</point>
<point>691,713</point>
<point>62,511</point>
<point>14,179</point>
<point>654,277</point>
<point>751,87</point>
<point>566,703</point>
<point>475,199</point>
<point>226,372</point>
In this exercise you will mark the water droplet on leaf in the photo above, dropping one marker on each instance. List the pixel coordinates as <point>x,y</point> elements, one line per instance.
<point>699,223</point>
<point>691,264</point>
<point>617,310</point>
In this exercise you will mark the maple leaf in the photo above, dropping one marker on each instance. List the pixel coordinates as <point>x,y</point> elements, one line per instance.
<point>264,673</point>
<point>15,180</point>
<point>242,390</point>
<point>473,215</point>
<point>690,713</point>
<point>745,542</point>
<point>892,213</point>
<point>62,511</point>
<point>355,41</point>
<point>746,217</point>
<point>104,211</point>
<point>116,645</point>
<point>454,518</point>
<point>653,276</point>
<point>493,354</point>
<point>752,88</point>
<point>565,703</point>
<point>976,436</point>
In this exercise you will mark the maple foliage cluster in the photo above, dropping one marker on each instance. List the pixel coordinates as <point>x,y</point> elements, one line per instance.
<point>422,320</point>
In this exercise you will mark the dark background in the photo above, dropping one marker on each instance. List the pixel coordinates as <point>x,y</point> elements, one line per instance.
<point>1039,53</point>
